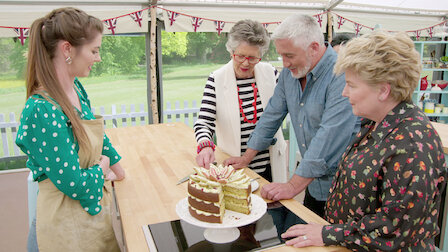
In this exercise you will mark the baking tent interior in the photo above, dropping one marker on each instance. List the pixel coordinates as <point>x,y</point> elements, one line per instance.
<point>418,18</point>
<point>392,15</point>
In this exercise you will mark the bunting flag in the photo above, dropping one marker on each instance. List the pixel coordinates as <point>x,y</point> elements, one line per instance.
<point>358,28</point>
<point>137,17</point>
<point>319,19</point>
<point>111,24</point>
<point>341,21</point>
<point>196,22</point>
<point>172,16</point>
<point>430,31</point>
<point>22,34</point>
<point>417,35</point>
<point>219,26</point>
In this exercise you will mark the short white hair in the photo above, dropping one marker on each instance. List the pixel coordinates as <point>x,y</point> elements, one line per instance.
<point>302,29</point>
<point>250,31</point>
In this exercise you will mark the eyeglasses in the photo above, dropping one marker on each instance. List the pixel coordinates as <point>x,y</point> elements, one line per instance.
<point>241,59</point>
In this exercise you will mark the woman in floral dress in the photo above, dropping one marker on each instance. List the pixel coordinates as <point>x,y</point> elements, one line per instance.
<point>387,191</point>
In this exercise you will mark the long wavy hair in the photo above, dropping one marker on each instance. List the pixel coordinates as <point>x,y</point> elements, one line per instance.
<point>67,24</point>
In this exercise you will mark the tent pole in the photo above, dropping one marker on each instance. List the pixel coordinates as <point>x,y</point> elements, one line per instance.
<point>330,27</point>
<point>153,103</point>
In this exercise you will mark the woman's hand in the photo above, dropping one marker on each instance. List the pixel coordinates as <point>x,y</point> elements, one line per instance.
<point>116,172</point>
<point>304,235</point>
<point>205,157</point>
<point>104,163</point>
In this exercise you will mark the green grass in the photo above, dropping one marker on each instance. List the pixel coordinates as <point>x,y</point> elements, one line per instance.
<point>180,83</point>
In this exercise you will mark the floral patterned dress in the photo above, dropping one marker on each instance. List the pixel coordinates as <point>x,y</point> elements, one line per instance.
<point>387,191</point>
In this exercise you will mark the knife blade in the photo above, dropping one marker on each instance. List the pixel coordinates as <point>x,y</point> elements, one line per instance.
<point>186,178</point>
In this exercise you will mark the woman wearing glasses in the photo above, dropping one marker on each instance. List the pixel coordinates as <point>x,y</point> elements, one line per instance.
<point>233,101</point>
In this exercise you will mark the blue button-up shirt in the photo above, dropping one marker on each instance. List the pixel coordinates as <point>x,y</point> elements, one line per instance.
<point>322,118</point>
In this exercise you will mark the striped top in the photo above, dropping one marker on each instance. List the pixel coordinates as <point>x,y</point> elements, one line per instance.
<point>204,127</point>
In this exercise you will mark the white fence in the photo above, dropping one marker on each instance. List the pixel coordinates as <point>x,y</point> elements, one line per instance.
<point>120,116</point>
<point>130,115</point>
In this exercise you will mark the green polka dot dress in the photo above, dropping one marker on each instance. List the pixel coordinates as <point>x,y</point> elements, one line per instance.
<point>45,135</point>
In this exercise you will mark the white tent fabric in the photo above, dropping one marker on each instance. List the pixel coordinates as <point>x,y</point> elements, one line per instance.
<point>22,13</point>
<point>392,15</point>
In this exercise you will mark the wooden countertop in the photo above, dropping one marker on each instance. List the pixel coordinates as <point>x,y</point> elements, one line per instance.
<point>442,130</point>
<point>155,157</point>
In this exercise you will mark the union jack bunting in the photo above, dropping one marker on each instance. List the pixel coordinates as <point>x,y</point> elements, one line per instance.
<point>265,25</point>
<point>137,17</point>
<point>111,24</point>
<point>417,35</point>
<point>172,16</point>
<point>430,31</point>
<point>358,28</point>
<point>22,34</point>
<point>219,26</point>
<point>196,22</point>
<point>341,21</point>
<point>319,19</point>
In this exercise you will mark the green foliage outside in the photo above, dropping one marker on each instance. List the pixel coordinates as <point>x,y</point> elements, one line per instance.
<point>120,78</point>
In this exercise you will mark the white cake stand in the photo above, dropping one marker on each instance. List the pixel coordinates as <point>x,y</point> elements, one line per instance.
<point>227,231</point>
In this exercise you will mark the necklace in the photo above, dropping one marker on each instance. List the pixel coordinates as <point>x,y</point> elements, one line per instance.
<point>253,121</point>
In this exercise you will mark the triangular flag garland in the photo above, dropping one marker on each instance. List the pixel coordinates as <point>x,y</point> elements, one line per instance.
<point>196,22</point>
<point>341,21</point>
<point>358,28</point>
<point>172,16</point>
<point>219,26</point>
<point>22,34</point>
<point>430,31</point>
<point>319,19</point>
<point>137,17</point>
<point>111,24</point>
<point>417,34</point>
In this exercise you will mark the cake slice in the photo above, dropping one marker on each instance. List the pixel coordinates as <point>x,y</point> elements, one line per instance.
<point>212,191</point>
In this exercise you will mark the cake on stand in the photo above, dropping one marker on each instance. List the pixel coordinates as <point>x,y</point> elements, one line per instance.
<point>227,231</point>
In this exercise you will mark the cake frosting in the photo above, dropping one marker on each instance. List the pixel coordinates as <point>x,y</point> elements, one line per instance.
<point>212,191</point>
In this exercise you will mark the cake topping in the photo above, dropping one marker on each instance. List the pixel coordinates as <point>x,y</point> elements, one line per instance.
<point>220,174</point>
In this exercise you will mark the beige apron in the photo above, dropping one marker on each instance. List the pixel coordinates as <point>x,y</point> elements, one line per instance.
<point>61,222</point>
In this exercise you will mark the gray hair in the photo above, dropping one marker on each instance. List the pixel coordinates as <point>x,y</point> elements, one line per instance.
<point>251,32</point>
<point>302,29</point>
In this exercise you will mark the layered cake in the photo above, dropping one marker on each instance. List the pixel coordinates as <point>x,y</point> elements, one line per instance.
<point>212,191</point>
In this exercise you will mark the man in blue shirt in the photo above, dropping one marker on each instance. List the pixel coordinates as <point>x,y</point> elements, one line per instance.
<point>322,118</point>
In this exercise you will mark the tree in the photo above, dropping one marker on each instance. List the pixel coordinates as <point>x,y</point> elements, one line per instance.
<point>18,58</point>
<point>174,43</point>
<point>120,55</point>
<point>207,45</point>
<point>6,47</point>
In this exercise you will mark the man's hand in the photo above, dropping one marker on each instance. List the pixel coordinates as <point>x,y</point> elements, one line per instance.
<point>279,191</point>
<point>205,157</point>
<point>237,162</point>
<point>243,161</point>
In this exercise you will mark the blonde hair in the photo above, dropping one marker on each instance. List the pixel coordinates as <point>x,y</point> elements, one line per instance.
<point>383,57</point>
<point>69,24</point>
